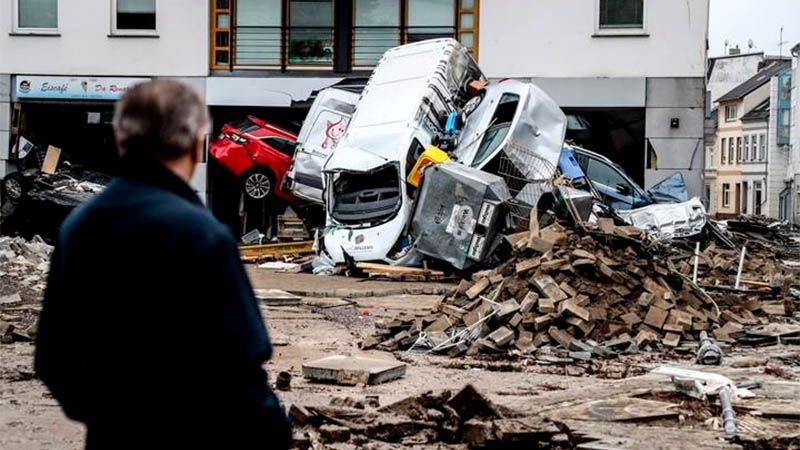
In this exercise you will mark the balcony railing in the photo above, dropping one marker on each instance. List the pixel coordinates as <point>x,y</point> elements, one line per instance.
<point>282,47</point>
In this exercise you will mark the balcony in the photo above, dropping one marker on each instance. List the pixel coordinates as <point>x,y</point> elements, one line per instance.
<point>288,48</point>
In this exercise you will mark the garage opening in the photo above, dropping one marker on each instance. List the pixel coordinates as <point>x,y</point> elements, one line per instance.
<point>618,134</point>
<point>228,182</point>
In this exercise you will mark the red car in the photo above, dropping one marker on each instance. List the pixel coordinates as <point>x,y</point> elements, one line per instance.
<point>259,154</point>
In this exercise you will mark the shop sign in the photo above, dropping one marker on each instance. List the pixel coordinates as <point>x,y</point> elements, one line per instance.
<point>72,88</point>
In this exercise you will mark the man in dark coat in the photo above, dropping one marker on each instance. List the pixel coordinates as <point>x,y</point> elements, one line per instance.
<point>150,333</point>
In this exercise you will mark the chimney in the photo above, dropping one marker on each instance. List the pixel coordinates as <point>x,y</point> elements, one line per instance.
<point>735,51</point>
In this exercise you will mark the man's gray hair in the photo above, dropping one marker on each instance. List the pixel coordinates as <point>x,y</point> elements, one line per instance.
<point>160,118</point>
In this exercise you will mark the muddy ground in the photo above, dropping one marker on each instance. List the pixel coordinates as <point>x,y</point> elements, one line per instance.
<point>336,312</point>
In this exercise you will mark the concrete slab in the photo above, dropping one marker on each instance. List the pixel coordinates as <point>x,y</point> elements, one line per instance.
<point>353,370</point>
<point>277,297</point>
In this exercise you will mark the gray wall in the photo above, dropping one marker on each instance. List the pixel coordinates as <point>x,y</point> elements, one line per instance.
<point>677,149</point>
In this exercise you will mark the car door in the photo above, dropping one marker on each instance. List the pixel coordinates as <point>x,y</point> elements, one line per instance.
<point>614,187</point>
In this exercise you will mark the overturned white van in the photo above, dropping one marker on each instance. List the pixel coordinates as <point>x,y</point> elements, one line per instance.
<point>401,111</point>
<point>324,126</point>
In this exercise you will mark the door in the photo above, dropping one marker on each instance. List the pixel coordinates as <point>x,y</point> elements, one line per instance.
<point>745,195</point>
<point>738,197</point>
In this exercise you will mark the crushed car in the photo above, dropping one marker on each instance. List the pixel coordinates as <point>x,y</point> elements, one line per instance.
<point>665,210</point>
<point>259,154</point>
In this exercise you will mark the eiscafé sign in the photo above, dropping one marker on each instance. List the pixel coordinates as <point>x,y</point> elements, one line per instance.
<point>71,88</point>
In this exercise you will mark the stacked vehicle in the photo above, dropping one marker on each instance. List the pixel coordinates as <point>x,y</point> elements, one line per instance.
<point>433,161</point>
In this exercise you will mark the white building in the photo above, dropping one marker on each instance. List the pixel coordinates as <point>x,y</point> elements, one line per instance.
<point>631,73</point>
<point>634,69</point>
<point>727,72</point>
<point>62,67</point>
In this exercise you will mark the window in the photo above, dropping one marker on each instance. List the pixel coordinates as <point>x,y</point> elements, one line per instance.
<point>726,195</point>
<point>730,113</point>
<point>376,30</point>
<point>311,32</point>
<point>258,32</point>
<point>739,149</point>
<point>707,193</point>
<point>36,16</point>
<point>281,145</point>
<point>604,174</point>
<point>762,148</point>
<point>221,33</point>
<point>134,16</point>
<point>429,19</point>
<point>468,25</point>
<point>621,14</point>
<point>746,148</point>
<point>730,151</point>
<point>723,150</point>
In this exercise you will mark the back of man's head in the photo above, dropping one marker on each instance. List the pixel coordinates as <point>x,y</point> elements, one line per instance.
<point>162,119</point>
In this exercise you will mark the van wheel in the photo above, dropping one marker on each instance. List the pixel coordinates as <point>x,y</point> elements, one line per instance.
<point>258,184</point>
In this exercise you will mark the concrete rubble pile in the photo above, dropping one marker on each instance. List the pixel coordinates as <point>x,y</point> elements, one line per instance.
<point>465,417</point>
<point>597,292</point>
<point>23,275</point>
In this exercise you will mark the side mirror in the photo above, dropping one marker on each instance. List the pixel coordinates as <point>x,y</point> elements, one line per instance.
<point>623,189</point>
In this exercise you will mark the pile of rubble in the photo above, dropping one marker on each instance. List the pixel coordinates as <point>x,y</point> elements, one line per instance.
<point>23,275</point>
<point>464,418</point>
<point>597,291</point>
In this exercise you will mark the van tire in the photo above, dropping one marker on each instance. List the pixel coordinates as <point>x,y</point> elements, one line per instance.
<point>13,187</point>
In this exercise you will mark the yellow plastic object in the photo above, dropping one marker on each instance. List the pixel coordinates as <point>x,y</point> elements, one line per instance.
<point>431,155</point>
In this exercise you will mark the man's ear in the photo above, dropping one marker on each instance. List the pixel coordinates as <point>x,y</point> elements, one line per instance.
<point>200,146</point>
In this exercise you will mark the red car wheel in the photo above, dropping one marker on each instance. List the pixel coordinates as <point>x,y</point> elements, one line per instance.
<point>258,184</point>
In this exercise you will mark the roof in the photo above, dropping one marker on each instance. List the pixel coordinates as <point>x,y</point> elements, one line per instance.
<point>760,112</point>
<point>758,80</point>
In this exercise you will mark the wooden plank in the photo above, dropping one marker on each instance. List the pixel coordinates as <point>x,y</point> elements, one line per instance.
<point>385,268</point>
<point>288,248</point>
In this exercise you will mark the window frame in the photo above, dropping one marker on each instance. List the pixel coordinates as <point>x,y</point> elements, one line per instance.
<point>17,29</point>
<point>724,153</point>
<point>620,31</point>
<point>731,150</point>
<point>729,117</point>
<point>115,32</point>
<point>739,149</point>
<point>746,151</point>
<point>726,195</point>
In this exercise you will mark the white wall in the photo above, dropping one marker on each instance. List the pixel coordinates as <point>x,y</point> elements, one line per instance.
<point>554,39</point>
<point>731,71</point>
<point>85,48</point>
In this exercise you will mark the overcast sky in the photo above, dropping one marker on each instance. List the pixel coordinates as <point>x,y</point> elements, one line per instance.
<point>760,20</point>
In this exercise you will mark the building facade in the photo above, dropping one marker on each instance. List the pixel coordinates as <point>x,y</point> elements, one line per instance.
<point>595,57</point>
<point>794,166</point>
<point>632,71</point>
<point>629,73</point>
<point>746,170</point>
<point>62,67</point>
